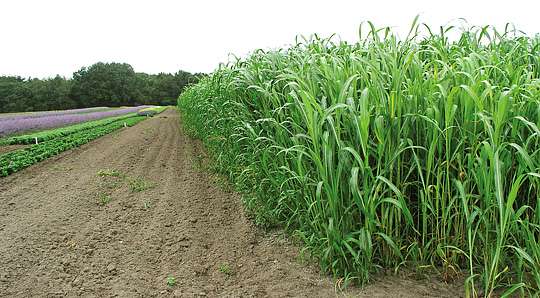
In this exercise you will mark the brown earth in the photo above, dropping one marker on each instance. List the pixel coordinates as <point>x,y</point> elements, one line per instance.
<point>57,238</point>
<point>9,148</point>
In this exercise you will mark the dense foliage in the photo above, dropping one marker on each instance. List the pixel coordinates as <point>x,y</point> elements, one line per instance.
<point>420,153</point>
<point>102,84</point>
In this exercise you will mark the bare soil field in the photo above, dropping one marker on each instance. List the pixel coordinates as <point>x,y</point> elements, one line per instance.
<point>69,227</point>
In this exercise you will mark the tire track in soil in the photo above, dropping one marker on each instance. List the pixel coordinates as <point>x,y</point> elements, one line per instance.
<point>56,240</point>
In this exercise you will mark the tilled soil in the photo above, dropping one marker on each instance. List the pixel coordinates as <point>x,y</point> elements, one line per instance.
<point>70,228</point>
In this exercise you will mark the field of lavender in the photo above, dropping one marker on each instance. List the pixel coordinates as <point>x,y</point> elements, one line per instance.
<point>14,125</point>
<point>51,142</point>
<point>50,113</point>
<point>46,135</point>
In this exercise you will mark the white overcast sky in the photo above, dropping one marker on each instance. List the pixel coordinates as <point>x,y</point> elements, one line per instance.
<point>42,38</point>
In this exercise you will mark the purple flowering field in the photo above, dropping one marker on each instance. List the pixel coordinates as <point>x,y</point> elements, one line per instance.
<point>52,113</point>
<point>18,126</point>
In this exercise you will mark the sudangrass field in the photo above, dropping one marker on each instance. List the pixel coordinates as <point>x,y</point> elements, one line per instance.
<point>420,154</point>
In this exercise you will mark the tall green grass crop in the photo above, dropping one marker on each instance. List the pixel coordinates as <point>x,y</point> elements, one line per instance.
<point>419,153</point>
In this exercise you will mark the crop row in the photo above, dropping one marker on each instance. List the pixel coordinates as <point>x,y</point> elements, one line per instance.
<point>151,111</point>
<point>48,114</point>
<point>16,127</point>
<point>148,112</point>
<point>17,160</point>
<point>62,131</point>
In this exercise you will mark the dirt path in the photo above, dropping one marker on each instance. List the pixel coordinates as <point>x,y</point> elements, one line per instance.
<point>57,238</point>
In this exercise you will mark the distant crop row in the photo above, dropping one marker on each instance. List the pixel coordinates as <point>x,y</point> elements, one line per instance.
<point>17,160</point>
<point>63,131</point>
<point>54,141</point>
<point>25,125</point>
<point>148,111</point>
<point>20,116</point>
<point>421,154</point>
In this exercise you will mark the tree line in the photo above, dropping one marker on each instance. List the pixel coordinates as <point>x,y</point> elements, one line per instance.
<point>102,84</point>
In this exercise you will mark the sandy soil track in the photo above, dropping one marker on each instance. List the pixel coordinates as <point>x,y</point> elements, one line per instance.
<point>58,240</point>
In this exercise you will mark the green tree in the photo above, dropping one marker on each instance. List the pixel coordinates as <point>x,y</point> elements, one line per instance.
<point>167,87</point>
<point>144,89</point>
<point>52,94</point>
<point>104,84</point>
<point>15,96</point>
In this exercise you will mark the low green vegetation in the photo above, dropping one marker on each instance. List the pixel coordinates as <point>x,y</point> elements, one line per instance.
<point>62,169</point>
<point>419,154</point>
<point>111,179</point>
<point>149,112</point>
<point>225,270</point>
<point>60,132</point>
<point>112,184</point>
<point>104,198</point>
<point>138,184</point>
<point>17,160</point>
